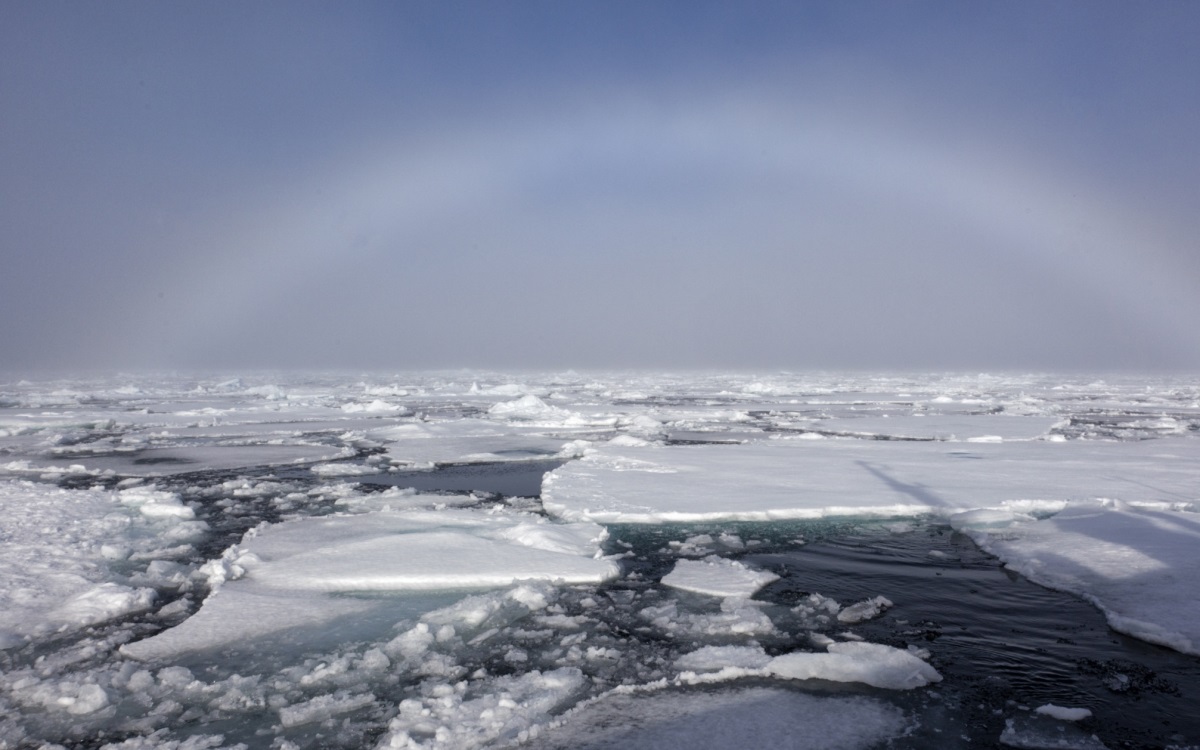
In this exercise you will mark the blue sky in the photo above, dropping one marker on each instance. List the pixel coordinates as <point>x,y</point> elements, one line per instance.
<point>942,185</point>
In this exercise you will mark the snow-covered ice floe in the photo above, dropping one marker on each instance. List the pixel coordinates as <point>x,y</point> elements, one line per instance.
<point>470,441</point>
<point>283,575</point>
<point>718,577</point>
<point>796,478</point>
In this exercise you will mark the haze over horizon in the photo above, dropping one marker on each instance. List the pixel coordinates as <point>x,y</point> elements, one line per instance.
<point>868,185</point>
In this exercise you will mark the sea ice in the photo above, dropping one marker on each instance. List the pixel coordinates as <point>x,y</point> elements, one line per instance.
<point>864,610</point>
<point>57,549</point>
<point>1063,713</point>
<point>1085,486</point>
<point>762,717</point>
<point>717,576</point>
<point>1038,732</point>
<point>1137,564</point>
<point>450,719</point>
<point>782,479</point>
<point>280,576</point>
<point>872,663</point>
<point>947,427</point>
<point>468,441</point>
<point>529,407</point>
<point>715,658</point>
<point>738,618</point>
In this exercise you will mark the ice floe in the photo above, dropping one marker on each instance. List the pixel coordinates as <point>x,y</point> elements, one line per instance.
<point>469,441</point>
<point>1137,564</point>
<point>717,576</point>
<point>782,479</point>
<point>282,576</point>
<point>873,664</point>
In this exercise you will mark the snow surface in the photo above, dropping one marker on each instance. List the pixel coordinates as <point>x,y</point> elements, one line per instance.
<point>717,576</point>
<point>470,441</point>
<point>921,426</point>
<point>793,478</point>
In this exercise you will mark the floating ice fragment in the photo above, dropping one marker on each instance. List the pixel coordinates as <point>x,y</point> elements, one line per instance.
<point>374,407</point>
<point>159,741</point>
<point>816,611</point>
<point>738,617</point>
<point>321,708</point>
<point>872,663</point>
<point>343,470</point>
<point>1063,713</point>
<point>1036,733</point>
<point>155,504</point>
<point>712,658</point>
<point>717,576</point>
<point>864,610</point>
<point>629,441</point>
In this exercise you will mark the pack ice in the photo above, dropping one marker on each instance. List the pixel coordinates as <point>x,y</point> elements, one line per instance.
<point>192,562</point>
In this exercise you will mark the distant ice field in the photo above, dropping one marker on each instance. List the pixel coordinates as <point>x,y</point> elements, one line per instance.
<point>477,559</point>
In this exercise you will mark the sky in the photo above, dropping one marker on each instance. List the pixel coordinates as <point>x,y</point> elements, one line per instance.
<point>991,185</point>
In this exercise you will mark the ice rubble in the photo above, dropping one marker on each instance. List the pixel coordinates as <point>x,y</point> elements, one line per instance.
<point>58,545</point>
